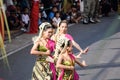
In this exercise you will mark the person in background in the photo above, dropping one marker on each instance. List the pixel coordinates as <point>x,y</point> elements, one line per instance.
<point>13,21</point>
<point>105,7</point>
<point>52,13</point>
<point>75,15</point>
<point>23,4</point>
<point>48,4</point>
<point>58,5</point>
<point>56,19</point>
<point>89,8</point>
<point>97,11</point>
<point>40,19</point>
<point>15,2</point>
<point>66,5</point>
<point>25,20</point>
<point>114,4</point>
<point>43,12</point>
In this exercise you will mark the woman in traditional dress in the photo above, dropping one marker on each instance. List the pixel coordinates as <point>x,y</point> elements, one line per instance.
<point>62,31</point>
<point>44,68</point>
<point>66,62</point>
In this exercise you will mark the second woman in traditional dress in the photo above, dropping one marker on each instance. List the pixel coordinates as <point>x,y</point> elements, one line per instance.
<point>62,32</point>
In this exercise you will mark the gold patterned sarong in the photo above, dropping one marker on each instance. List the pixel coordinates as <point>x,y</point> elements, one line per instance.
<point>41,69</point>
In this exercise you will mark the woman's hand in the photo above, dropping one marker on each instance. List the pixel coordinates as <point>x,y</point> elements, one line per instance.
<point>47,52</point>
<point>84,63</point>
<point>82,52</point>
<point>86,50</point>
<point>72,67</point>
<point>78,56</point>
<point>50,59</point>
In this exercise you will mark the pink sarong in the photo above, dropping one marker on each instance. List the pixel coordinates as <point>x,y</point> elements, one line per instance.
<point>51,46</point>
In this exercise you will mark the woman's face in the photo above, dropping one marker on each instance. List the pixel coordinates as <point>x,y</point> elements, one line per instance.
<point>40,15</point>
<point>48,33</point>
<point>63,28</point>
<point>58,15</point>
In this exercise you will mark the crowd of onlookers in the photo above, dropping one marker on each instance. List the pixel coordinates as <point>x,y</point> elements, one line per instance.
<point>53,11</point>
<point>18,15</point>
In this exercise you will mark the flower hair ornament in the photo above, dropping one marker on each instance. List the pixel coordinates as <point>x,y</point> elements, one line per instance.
<point>58,29</point>
<point>61,44</point>
<point>64,45</point>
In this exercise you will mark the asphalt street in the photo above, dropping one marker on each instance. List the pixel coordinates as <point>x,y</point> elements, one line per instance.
<point>103,57</point>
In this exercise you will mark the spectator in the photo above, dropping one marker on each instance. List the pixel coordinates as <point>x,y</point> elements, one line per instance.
<point>114,5</point>
<point>11,8</point>
<point>78,5</point>
<point>66,5</point>
<point>43,13</point>
<point>40,19</point>
<point>89,7</point>
<point>23,4</point>
<point>25,20</point>
<point>52,13</point>
<point>97,11</point>
<point>47,5</point>
<point>13,21</point>
<point>15,2</point>
<point>56,20</point>
<point>105,7</point>
<point>58,5</point>
<point>18,14</point>
<point>75,15</point>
